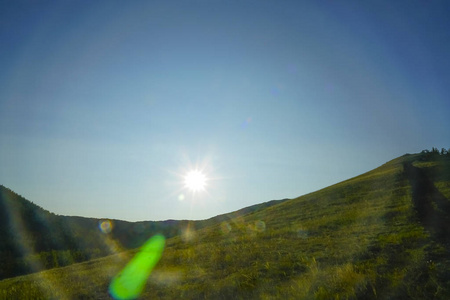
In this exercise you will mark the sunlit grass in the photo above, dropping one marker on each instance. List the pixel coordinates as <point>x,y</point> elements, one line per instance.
<point>357,239</point>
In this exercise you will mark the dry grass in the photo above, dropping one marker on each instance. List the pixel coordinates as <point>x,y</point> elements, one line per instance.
<point>357,239</point>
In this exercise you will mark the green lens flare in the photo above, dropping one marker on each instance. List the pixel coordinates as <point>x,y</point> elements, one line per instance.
<point>130,282</point>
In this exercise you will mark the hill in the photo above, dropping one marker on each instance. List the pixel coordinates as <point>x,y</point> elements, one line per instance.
<point>381,235</point>
<point>33,239</point>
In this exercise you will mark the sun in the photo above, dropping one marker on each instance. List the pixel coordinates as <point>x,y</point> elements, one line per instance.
<point>195,180</point>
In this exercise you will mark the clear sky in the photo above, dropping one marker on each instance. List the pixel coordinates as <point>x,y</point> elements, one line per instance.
<point>106,105</point>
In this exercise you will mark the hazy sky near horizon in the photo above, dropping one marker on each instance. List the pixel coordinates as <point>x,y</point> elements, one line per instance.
<point>105,105</point>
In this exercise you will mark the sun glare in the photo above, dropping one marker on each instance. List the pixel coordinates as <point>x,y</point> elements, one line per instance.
<point>195,181</point>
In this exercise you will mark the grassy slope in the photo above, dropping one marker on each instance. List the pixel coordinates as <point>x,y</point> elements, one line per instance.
<point>362,238</point>
<point>33,239</point>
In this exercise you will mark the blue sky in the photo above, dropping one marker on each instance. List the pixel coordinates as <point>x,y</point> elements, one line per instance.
<point>105,105</point>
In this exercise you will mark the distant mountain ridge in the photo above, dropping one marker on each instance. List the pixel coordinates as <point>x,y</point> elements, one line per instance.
<point>34,239</point>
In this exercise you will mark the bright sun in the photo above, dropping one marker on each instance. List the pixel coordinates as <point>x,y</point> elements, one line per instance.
<point>195,181</point>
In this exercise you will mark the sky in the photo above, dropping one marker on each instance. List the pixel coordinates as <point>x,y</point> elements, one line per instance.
<point>106,105</point>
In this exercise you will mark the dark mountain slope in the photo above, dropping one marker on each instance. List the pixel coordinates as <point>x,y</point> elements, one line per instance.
<point>34,239</point>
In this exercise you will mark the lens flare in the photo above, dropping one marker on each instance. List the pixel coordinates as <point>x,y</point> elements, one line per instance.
<point>130,282</point>
<point>105,226</point>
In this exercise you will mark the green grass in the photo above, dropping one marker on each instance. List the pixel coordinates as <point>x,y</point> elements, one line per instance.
<point>359,239</point>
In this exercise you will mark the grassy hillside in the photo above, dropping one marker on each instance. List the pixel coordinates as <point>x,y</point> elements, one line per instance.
<point>33,239</point>
<point>381,235</point>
